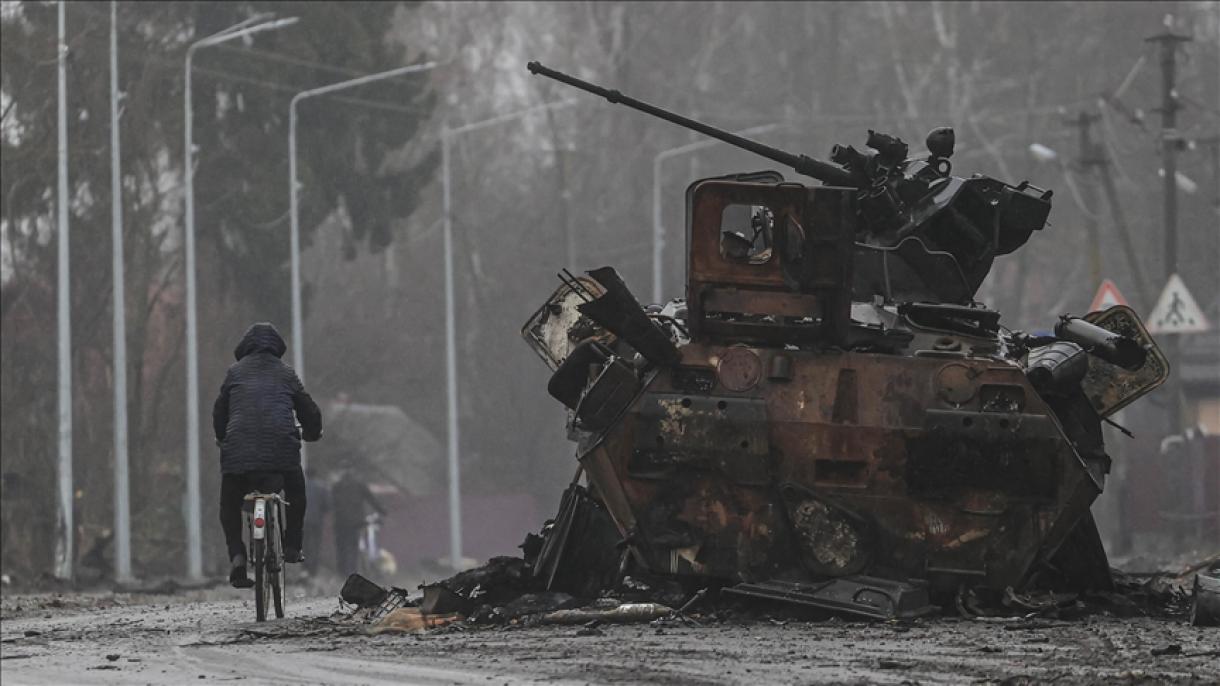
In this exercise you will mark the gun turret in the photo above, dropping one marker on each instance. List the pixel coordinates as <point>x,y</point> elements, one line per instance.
<point>802,164</point>
<point>912,207</point>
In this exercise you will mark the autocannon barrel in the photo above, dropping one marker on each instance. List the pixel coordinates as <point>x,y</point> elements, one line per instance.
<point>802,164</point>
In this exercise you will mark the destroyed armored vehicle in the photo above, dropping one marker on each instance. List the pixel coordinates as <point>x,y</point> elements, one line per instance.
<point>828,416</point>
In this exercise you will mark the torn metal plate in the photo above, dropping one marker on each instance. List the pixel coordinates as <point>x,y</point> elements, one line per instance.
<point>558,327</point>
<point>865,596</point>
<point>1109,387</point>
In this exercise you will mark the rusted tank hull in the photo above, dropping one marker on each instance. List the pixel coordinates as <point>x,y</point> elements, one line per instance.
<point>747,464</point>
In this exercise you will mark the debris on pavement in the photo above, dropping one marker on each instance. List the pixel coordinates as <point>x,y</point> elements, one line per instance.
<point>590,630</point>
<point>509,591</point>
<point>1205,601</point>
<point>627,613</point>
<point>371,601</point>
<point>411,620</point>
<point>858,595</point>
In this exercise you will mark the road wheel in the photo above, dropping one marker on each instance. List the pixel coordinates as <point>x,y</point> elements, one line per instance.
<point>260,580</point>
<point>276,556</point>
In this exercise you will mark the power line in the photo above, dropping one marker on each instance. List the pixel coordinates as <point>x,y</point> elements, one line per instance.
<point>288,59</point>
<point>297,61</point>
<point>375,104</point>
<point>129,57</point>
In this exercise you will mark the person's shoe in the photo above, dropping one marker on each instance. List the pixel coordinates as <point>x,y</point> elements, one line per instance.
<point>237,573</point>
<point>293,555</point>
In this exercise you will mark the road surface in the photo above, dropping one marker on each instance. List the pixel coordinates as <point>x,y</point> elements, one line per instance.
<point>206,637</point>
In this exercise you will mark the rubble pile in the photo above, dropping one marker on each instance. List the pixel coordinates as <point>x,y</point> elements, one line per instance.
<point>508,592</point>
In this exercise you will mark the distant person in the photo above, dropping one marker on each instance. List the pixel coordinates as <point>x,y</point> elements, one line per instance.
<point>96,564</point>
<point>260,444</point>
<point>318,496</point>
<point>349,496</point>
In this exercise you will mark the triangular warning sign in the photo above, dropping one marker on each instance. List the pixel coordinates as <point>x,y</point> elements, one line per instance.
<point>1176,311</point>
<point>1107,296</point>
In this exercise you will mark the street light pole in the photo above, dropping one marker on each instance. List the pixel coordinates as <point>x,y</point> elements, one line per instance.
<point>1087,160</point>
<point>194,532</point>
<point>451,390</point>
<point>298,336</point>
<point>658,230</point>
<point>451,385</point>
<point>65,527</point>
<point>122,506</point>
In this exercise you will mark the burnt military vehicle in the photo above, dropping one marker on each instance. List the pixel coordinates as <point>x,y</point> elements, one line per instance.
<point>827,416</point>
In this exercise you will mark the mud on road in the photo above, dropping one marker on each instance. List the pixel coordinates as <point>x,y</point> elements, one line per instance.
<point>209,637</point>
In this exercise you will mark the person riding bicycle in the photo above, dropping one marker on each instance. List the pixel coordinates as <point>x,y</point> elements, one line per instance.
<point>260,445</point>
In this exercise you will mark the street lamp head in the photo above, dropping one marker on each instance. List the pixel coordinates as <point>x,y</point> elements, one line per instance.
<point>277,24</point>
<point>1184,183</point>
<point>259,28</point>
<point>1042,153</point>
<point>236,32</point>
<point>253,19</point>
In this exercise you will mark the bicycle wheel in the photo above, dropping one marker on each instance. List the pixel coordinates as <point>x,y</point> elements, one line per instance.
<point>276,557</point>
<point>260,579</point>
<point>362,567</point>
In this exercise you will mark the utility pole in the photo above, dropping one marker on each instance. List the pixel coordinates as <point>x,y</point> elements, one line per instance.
<point>1171,142</point>
<point>65,528</point>
<point>1092,156</point>
<point>1086,160</point>
<point>1143,296</point>
<point>122,507</point>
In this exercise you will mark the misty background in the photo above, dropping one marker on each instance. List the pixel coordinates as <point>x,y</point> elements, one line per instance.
<point>570,186</point>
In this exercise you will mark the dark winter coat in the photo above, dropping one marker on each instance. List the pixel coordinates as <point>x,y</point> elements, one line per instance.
<point>253,415</point>
<point>348,497</point>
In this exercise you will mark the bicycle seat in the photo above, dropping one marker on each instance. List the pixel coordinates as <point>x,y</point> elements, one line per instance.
<point>254,495</point>
<point>248,505</point>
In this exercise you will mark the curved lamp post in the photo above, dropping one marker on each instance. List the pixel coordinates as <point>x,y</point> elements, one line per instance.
<point>455,491</point>
<point>298,336</point>
<point>194,533</point>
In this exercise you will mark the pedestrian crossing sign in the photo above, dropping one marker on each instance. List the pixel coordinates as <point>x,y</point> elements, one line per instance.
<point>1176,311</point>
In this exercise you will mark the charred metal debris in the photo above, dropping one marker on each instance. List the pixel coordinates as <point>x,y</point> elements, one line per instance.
<point>828,417</point>
<point>513,592</point>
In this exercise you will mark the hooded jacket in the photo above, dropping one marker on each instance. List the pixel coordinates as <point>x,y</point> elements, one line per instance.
<point>253,414</point>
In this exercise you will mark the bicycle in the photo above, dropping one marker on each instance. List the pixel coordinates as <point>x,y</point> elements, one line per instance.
<point>369,552</point>
<point>264,516</point>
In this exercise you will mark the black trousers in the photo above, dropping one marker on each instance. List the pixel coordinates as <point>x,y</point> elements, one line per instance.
<point>233,490</point>
<point>347,545</point>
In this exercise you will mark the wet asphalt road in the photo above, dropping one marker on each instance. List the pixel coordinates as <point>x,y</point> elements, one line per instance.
<point>205,637</point>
